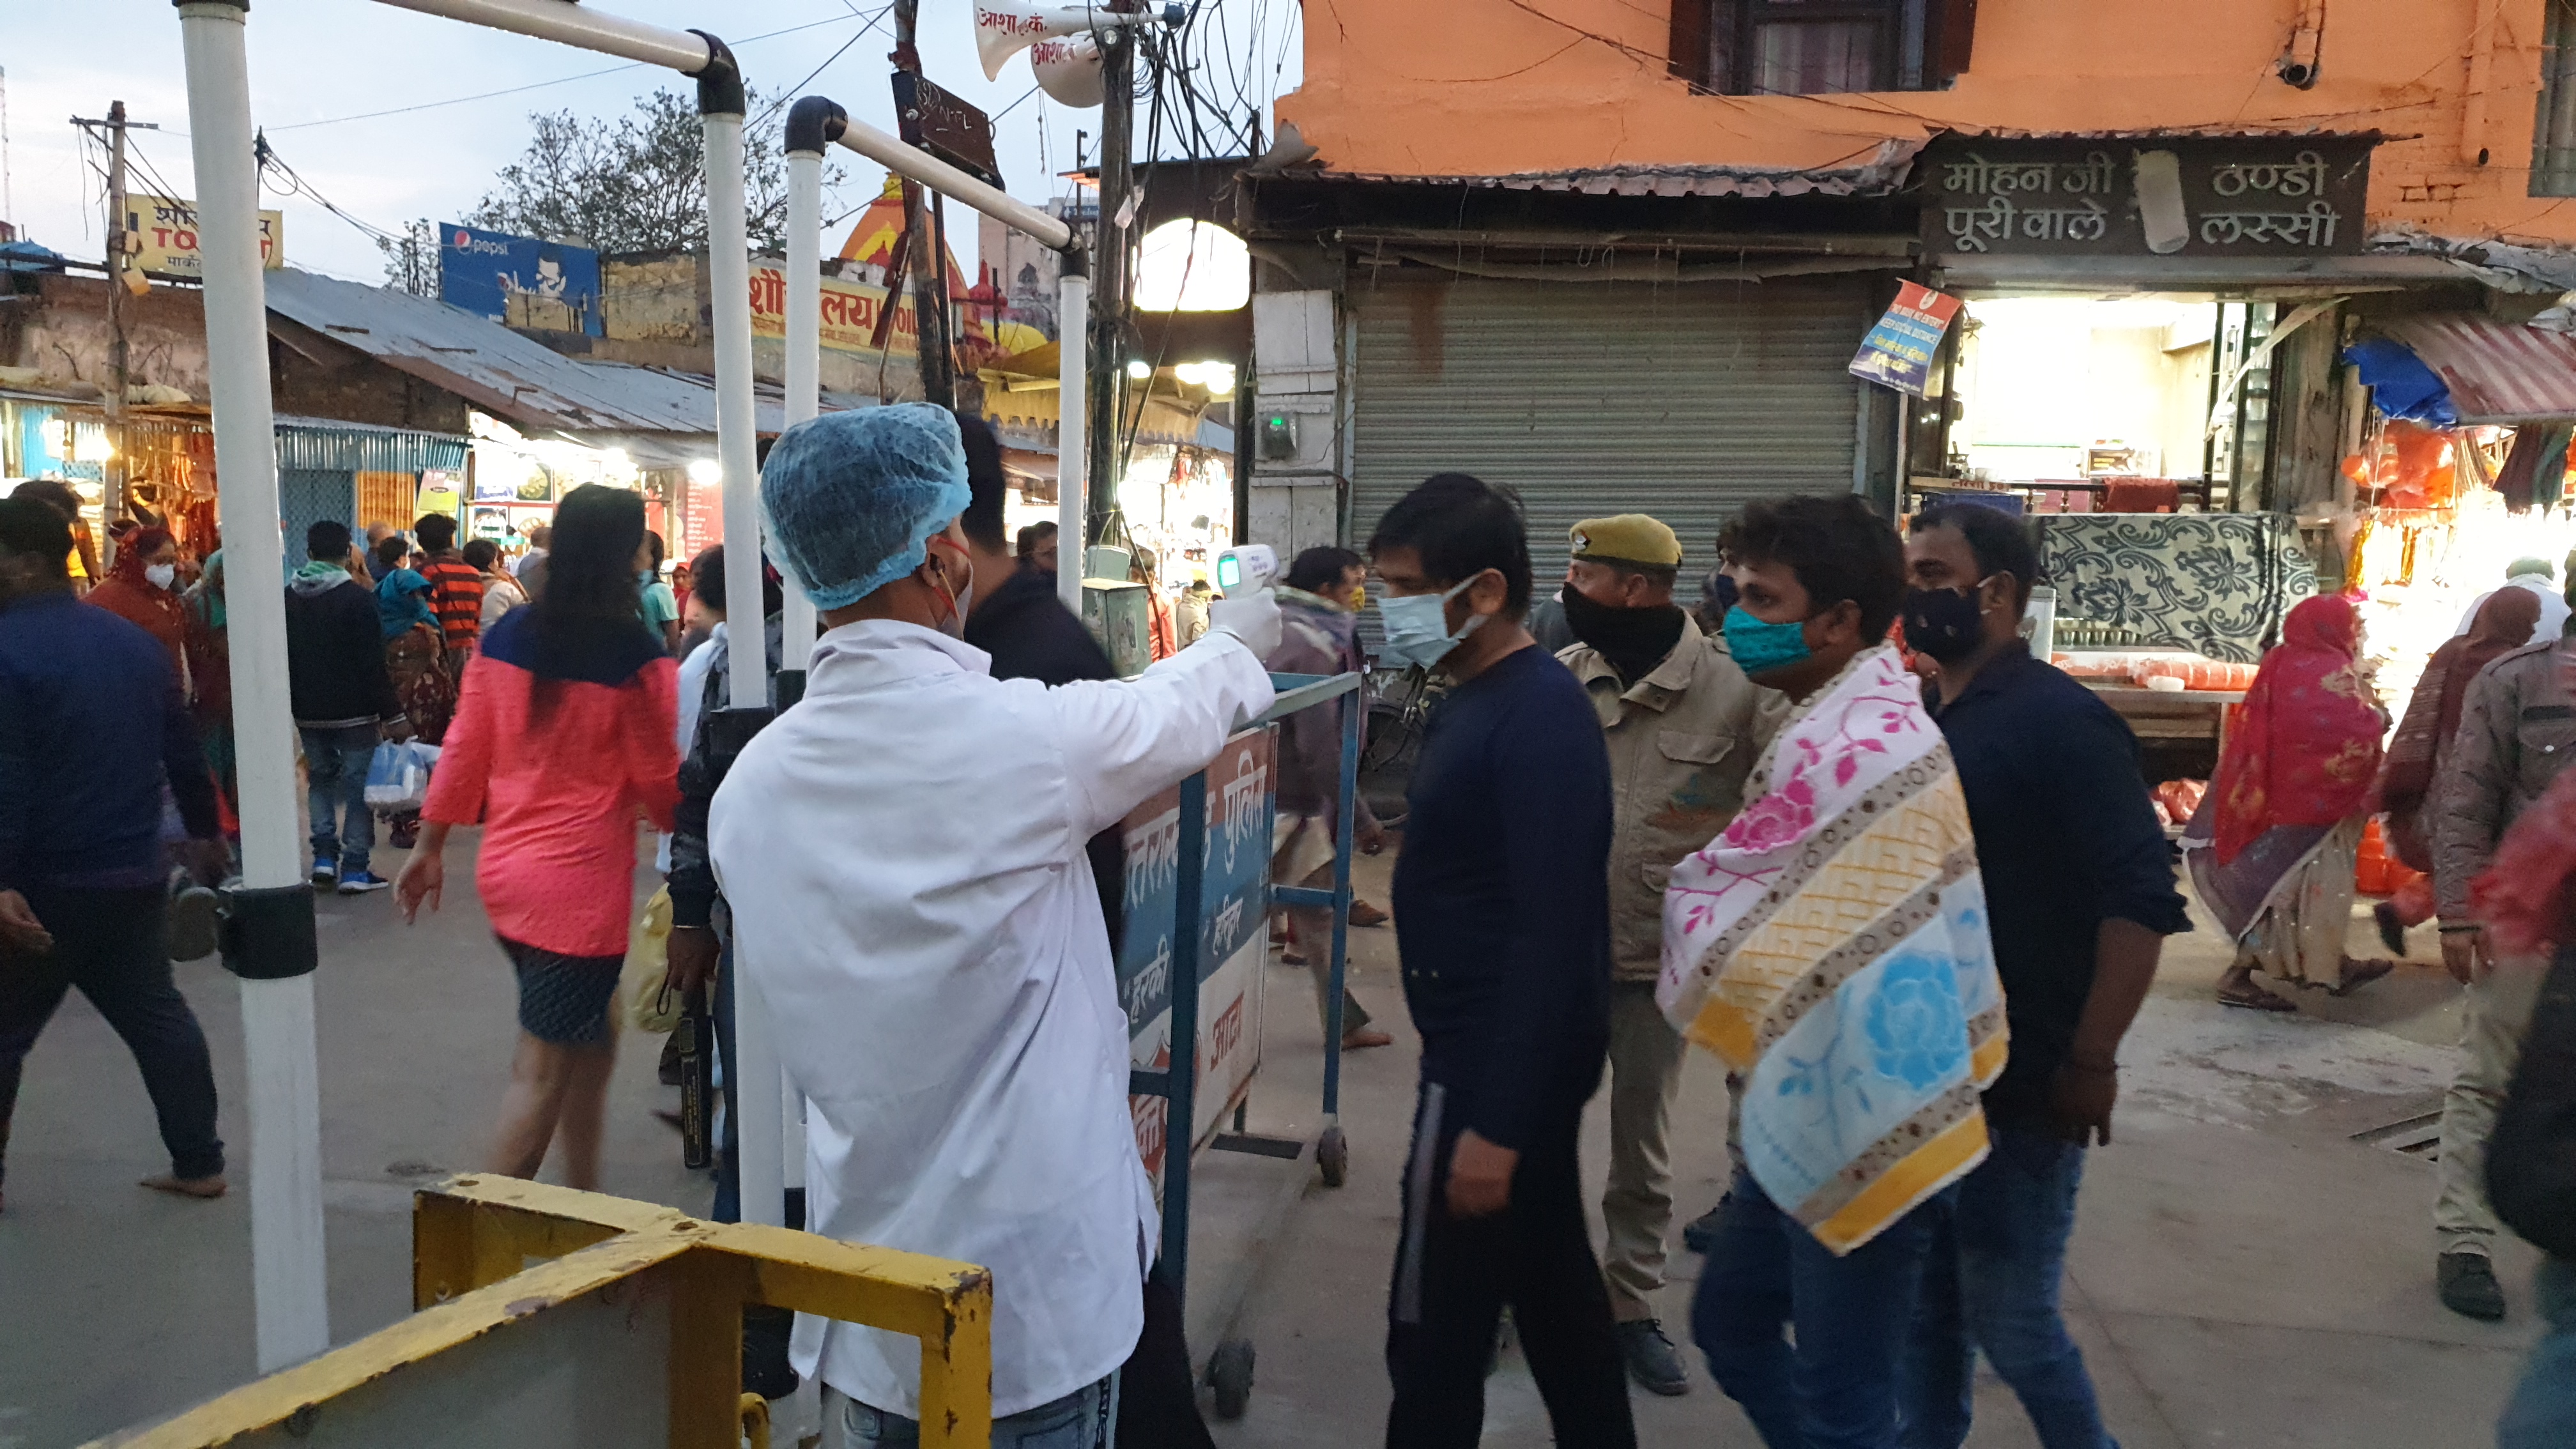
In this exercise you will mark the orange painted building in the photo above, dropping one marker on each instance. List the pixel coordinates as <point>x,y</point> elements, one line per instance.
<point>1458,88</point>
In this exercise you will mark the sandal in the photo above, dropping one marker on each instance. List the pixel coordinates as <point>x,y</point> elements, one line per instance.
<point>2254,998</point>
<point>2358,974</point>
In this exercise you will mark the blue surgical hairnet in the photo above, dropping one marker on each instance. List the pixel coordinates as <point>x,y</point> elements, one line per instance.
<point>851,498</point>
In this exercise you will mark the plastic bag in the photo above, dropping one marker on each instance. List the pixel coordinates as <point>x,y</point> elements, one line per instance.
<point>648,957</point>
<point>398,775</point>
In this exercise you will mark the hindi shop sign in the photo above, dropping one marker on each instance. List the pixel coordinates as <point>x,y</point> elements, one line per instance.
<point>2284,197</point>
<point>165,233</point>
<point>1898,351</point>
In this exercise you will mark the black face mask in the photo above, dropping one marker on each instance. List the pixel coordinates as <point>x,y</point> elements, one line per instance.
<point>1946,624</point>
<point>1633,640</point>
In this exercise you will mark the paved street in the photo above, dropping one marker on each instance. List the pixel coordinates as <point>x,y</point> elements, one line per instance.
<point>2245,1273</point>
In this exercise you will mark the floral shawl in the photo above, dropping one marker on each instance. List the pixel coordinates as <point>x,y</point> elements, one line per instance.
<point>1831,946</point>
<point>2306,751</point>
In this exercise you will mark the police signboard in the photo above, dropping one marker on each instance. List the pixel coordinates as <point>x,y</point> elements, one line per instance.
<point>519,280</point>
<point>1898,351</point>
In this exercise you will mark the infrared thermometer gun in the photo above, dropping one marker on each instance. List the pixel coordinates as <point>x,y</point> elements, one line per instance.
<point>1246,568</point>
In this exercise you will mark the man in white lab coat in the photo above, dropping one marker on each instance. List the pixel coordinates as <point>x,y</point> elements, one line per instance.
<point>903,852</point>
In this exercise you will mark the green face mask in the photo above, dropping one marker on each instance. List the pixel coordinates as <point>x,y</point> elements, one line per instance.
<point>1759,646</point>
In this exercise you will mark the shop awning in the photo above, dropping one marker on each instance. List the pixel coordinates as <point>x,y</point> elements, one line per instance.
<point>2498,372</point>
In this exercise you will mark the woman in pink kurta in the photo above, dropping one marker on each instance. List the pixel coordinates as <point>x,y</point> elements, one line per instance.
<point>561,745</point>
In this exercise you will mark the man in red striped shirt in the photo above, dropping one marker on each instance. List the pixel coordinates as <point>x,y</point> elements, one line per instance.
<point>455,587</point>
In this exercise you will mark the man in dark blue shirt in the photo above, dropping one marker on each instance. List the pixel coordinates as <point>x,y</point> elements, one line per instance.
<point>2080,889</point>
<point>91,726</point>
<point>1502,923</point>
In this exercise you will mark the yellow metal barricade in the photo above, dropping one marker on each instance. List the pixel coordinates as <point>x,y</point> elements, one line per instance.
<point>544,1314</point>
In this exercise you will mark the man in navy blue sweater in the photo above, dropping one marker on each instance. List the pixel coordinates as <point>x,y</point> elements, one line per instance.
<point>91,725</point>
<point>1502,921</point>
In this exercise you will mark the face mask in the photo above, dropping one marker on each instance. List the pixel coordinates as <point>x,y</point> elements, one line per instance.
<point>161,575</point>
<point>1760,647</point>
<point>1417,627</point>
<point>1633,640</point>
<point>1946,624</point>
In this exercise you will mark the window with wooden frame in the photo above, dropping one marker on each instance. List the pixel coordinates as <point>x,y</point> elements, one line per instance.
<point>1821,47</point>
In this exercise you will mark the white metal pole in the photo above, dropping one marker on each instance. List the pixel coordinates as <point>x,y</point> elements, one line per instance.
<point>290,1287</point>
<point>911,161</point>
<point>583,26</point>
<point>804,356</point>
<point>1072,327</point>
<point>729,279</point>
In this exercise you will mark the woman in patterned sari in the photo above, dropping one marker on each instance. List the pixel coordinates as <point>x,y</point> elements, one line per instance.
<point>2272,848</point>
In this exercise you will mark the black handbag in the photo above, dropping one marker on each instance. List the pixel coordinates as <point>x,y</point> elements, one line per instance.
<point>2531,1155</point>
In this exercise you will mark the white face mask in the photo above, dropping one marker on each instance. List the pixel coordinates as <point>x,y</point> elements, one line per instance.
<point>161,575</point>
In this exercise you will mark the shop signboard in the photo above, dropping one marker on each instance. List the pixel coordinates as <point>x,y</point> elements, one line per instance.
<point>1233,932</point>
<point>165,233</point>
<point>849,312</point>
<point>2279,197</point>
<point>519,281</point>
<point>439,492</point>
<point>1898,351</point>
<point>701,517</point>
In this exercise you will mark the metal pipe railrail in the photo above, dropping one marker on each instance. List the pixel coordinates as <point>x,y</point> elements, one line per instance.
<point>815,122</point>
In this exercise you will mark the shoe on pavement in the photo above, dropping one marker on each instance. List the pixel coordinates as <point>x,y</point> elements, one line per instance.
<point>1651,1359</point>
<point>360,882</point>
<point>188,924</point>
<point>2468,1285</point>
<point>324,874</point>
<point>1364,914</point>
<point>1700,1233</point>
<point>2392,929</point>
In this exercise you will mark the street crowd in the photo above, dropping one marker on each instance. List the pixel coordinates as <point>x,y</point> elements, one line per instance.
<point>1838,826</point>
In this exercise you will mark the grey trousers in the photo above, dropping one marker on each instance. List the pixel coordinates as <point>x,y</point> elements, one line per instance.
<point>1637,1207</point>
<point>2491,1030</point>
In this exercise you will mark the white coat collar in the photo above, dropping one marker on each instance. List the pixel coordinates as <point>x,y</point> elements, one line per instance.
<point>876,652</point>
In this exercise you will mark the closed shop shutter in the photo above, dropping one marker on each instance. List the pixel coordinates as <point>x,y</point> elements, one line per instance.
<point>1682,401</point>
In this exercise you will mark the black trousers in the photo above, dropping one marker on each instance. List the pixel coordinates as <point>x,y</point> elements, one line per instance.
<point>1454,1275</point>
<point>108,943</point>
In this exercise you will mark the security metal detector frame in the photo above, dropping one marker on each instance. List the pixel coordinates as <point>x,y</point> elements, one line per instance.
<point>268,937</point>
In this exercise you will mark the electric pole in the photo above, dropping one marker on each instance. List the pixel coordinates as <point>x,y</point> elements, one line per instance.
<point>929,254</point>
<point>118,254</point>
<point>1110,280</point>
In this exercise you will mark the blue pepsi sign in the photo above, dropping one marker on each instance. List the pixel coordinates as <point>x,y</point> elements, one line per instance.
<point>518,280</point>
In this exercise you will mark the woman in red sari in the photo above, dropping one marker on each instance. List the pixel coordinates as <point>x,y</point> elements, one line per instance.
<point>2272,849</point>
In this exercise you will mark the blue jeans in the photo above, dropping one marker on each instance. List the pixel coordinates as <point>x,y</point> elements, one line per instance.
<point>1087,1418</point>
<point>1991,1283</point>
<point>1838,1388</point>
<point>2542,1412</point>
<point>335,773</point>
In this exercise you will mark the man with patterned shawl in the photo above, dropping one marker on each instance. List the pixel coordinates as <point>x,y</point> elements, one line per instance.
<point>1831,947</point>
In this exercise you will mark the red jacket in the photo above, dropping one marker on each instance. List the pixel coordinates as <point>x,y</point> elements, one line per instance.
<point>558,768</point>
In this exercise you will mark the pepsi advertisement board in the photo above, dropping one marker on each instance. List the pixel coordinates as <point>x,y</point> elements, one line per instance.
<point>519,281</point>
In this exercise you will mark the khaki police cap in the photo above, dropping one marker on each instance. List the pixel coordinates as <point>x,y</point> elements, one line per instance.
<point>1627,538</point>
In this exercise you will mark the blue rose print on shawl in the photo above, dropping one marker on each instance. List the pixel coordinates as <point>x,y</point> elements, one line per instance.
<point>1917,1033</point>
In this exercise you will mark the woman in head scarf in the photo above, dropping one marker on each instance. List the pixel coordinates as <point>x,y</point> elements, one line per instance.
<point>143,590</point>
<point>2417,755</point>
<point>2273,846</point>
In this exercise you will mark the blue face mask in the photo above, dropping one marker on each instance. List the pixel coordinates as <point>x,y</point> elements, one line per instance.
<point>1417,627</point>
<point>1760,647</point>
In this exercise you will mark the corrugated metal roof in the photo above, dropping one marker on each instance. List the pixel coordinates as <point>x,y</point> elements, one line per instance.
<point>324,443</point>
<point>1878,176</point>
<point>487,364</point>
<point>2498,372</point>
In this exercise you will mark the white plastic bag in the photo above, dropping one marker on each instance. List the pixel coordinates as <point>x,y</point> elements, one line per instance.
<point>398,775</point>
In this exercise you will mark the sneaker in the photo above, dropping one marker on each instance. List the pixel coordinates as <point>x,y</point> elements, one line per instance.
<point>1651,1359</point>
<point>2468,1285</point>
<point>361,882</point>
<point>188,926</point>
<point>324,874</point>
<point>1700,1233</point>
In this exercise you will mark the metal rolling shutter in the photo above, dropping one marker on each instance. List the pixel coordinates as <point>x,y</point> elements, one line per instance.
<point>1683,401</point>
